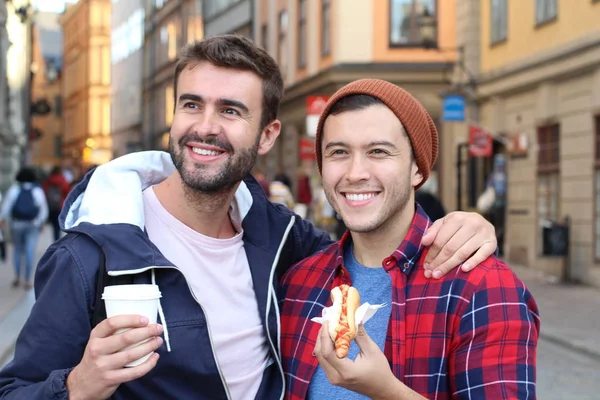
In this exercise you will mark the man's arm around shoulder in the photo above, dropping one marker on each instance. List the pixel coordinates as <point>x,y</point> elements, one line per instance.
<point>494,351</point>
<point>54,337</point>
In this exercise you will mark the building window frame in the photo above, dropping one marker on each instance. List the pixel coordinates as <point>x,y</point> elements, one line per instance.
<point>548,177</point>
<point>498,21</point>
<point>302,40</point>
<point>325,27</point>
<point>597,188</point>
<point>544,13</point>
<point>414,31</point>
<point>282,56</point>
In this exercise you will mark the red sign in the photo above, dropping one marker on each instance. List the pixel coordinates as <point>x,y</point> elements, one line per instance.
<point>315,104</point>
<point>307,149</point>
<point>480,142</point>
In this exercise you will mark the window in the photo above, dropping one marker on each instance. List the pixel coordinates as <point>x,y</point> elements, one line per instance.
<point>326,27</point>
<point>264,37</point>
<point>597,199</point>
<point>302,39</point>
<point>548,174</point>
<point>58,105</point>
<point>405,18</point>
<point>282,42</point>
<point>499,23</point>
<point>545,11</point>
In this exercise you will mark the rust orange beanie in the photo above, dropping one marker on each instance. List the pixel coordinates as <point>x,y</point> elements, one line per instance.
<point>416,120</point>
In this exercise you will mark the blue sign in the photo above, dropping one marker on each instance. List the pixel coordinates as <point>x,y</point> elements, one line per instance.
<point>454,108</point>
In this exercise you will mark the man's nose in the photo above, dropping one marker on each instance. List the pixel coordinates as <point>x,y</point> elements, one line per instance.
<point>358,169</point>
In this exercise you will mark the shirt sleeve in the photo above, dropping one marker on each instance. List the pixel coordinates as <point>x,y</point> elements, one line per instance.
<point>9,201</point>
<point>40,200</point>
<point>494,353</point>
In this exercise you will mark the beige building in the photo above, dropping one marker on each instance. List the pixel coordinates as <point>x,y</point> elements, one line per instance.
<point>322,45</point>
<point>86,76</point>
<point>538,87</point>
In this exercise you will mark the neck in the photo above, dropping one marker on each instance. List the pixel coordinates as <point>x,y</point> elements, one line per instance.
<point>205,213</point>
<point>371,248</point>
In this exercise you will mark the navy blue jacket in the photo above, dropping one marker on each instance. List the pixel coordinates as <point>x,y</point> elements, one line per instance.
<point>55,335</point>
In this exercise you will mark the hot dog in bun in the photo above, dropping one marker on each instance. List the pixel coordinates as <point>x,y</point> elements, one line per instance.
<point>342,326</point>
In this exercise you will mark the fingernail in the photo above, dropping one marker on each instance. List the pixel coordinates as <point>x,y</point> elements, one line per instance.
<point>427,274</point>
<point>466,267</point>
<point>437,274</point>
<point>159,340</point>
<point>144,321</point>
<point>160,329</point>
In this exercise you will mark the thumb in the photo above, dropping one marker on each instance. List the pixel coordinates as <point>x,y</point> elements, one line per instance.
<point>432,232</point>
<point>364,341</point>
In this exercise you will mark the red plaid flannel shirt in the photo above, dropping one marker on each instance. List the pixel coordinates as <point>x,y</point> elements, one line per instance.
<point>465,336</point>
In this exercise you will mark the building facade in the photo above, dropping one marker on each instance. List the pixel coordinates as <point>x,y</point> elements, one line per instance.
<point>15,85</point>
<point>45,141</point>
<point>322,45</point>
<point>86,89</point>
<point>169,24</point>
<point>127,39</point>
<point>538,94</point>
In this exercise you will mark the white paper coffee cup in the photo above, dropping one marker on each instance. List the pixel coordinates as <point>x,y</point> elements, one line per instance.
<point>132,300</point>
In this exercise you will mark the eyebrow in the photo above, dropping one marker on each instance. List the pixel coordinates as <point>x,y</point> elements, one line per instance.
<point>222,102</point>
<point>370,144</point>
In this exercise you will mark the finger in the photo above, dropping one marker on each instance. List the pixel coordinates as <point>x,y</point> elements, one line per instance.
<point>123,375</point>
<point>364,341</point>
<point>110,325</point>
<point>431,232</point>
<point>457,258</point>
<point>459,244</point>
<point>124,357</point>
<point>480,256</point>
<point>122,340</point>
<point>446,232</point>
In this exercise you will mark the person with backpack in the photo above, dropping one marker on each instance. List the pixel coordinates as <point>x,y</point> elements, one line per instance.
<point>26,208</point>
<point>56,188</point>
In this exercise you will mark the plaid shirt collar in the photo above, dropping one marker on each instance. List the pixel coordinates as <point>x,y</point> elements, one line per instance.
<point>407,253</point>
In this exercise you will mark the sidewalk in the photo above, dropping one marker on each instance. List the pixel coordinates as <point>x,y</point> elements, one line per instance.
<point>569,313</point>
<point>15,303</point>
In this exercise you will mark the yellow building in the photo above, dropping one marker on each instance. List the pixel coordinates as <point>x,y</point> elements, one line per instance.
<point>539,81</point>
<point>321,45</point>
<point>86,88</point>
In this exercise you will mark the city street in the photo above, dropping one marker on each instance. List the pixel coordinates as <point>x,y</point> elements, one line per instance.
<point>566,375</point>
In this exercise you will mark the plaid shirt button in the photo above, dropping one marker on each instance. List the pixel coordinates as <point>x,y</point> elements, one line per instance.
<point>406,266</point>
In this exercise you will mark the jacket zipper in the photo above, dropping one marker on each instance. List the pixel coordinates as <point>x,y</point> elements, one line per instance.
<point>274,300</point>
<point>212,347</point>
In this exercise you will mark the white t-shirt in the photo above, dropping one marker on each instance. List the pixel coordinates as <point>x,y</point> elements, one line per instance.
<point>218,274</point>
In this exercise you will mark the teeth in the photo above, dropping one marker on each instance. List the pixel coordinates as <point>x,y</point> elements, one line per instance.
<point>359,197</point>
<point>204,152</point>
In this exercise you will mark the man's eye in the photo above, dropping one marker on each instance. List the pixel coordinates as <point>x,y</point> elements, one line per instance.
<point>190,105</point>
<point>379,152</point>
<point>338,152</point>
<point>231,111</point>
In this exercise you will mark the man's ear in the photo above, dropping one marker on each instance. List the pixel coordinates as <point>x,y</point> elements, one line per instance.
<point>268,137</point>
<point>416,175</point>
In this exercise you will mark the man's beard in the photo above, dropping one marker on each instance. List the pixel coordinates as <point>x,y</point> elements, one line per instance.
<point>238,165</point>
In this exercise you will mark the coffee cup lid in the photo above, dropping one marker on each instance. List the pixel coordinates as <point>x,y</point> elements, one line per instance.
<point>131,292</point>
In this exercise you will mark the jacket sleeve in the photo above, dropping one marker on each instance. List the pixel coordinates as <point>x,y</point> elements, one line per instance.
<point>53,339</point>
<point>303,241</point>
<point>494,353</point>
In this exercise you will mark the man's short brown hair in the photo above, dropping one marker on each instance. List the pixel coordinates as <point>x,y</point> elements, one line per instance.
<point>240,53</point>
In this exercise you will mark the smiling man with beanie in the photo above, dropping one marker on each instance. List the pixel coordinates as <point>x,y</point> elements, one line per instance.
<point>465,336</point>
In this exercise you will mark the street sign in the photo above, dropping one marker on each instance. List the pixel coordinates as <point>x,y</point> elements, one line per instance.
<point>314,107</point>
<point>453,108</point>
<point>480,142</point>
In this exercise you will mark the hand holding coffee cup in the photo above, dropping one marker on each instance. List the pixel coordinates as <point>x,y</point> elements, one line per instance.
<point>128,337</point>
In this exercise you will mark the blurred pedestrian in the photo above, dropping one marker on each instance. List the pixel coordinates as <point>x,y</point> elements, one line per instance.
<point>262,180</point>
<point>26,208</point>
<point>56,189</point>
<point>2,240</point>
<point>282,177</point>
<point>280,193</point>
